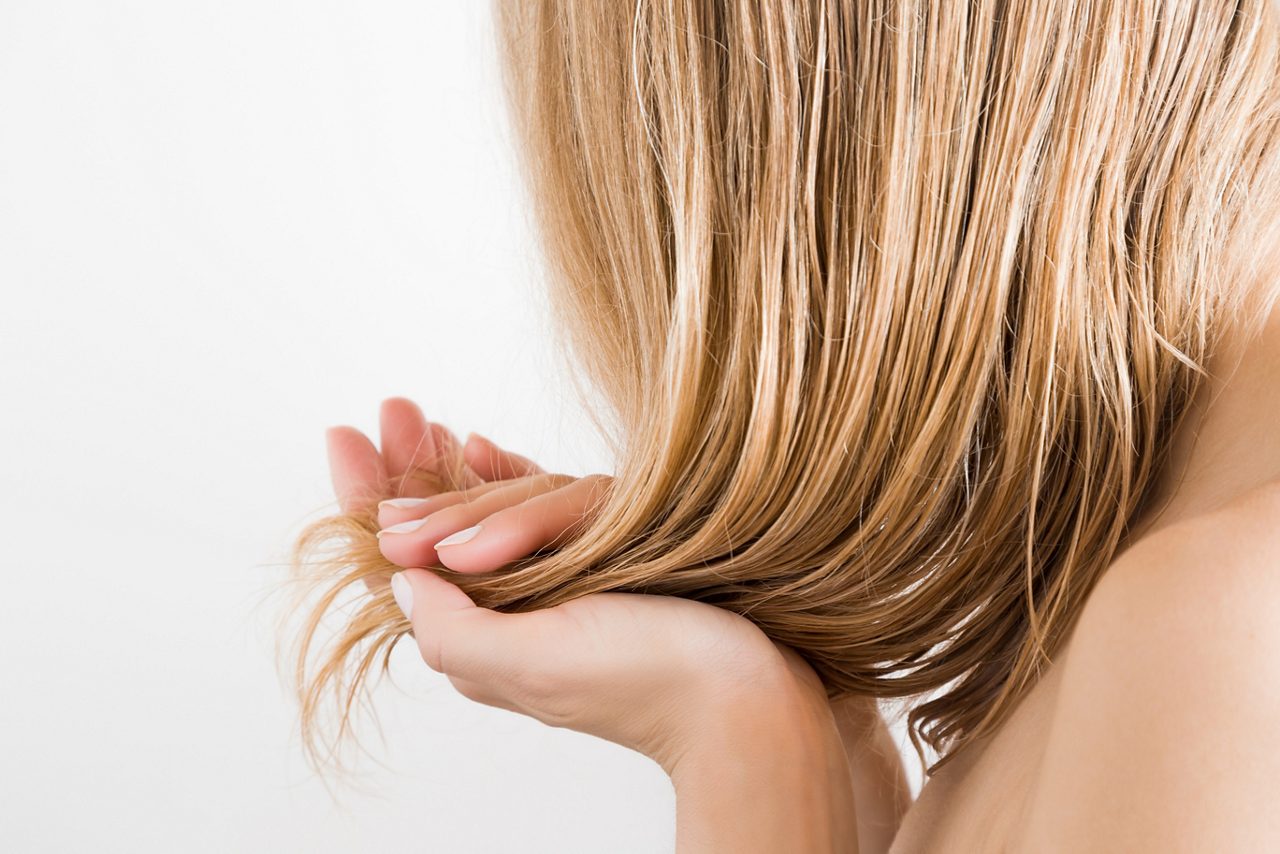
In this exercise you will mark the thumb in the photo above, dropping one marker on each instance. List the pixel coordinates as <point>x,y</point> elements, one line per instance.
<point>460,639</point>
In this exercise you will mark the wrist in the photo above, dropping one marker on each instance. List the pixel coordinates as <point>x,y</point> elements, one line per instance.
<point>765,771</point>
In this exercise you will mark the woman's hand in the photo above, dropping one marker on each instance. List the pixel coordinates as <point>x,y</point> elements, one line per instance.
<point>485,527</point>
<point>653,673</point>
<point>740,723</point>
<point>418,458</point>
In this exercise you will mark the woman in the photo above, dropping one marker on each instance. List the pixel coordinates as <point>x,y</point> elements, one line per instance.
<point>939,354</point>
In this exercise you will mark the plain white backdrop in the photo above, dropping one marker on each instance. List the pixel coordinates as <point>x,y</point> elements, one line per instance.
<point>225,226</point>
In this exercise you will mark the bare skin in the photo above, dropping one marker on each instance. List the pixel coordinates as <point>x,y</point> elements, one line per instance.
<point>741,724</point>
<point>1154,730</point>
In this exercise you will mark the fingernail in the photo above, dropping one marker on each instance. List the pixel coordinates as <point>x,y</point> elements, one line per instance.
<point>404,527</point>
<point>403,591</point>
<point>403,503</point>
<point>459,536</point>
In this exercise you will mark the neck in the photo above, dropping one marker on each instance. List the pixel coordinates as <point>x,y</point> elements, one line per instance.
<point>1227,445</point>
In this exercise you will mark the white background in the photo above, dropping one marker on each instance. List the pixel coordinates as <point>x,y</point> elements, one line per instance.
<point>225,226</point>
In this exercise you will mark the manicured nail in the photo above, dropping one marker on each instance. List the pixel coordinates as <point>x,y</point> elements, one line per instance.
<point>403,503</point>
<point>404,527</point>
<point>403,591</point>
<point>458,537</point>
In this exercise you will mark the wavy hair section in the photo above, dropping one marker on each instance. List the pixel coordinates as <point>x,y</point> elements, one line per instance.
<point>893,306</point>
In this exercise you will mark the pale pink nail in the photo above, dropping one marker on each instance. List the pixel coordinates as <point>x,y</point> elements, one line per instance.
<point>403,591</point>
<point>403,503</point>
<point>459,537</point>
<point>404,527</point>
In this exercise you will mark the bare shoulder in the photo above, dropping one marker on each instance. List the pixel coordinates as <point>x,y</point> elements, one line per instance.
<point>1166,733</point>
<point>1215,577</point>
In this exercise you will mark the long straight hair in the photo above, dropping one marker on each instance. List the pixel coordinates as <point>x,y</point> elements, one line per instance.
<point>892,305</point>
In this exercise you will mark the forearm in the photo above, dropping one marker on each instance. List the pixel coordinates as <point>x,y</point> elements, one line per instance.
<point>770,776</point>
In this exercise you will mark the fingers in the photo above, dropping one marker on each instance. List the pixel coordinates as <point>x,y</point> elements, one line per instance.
<point>413,543</point>
<point>407,443</point>
<point>395,511</point>
<point>450,456</point>
<point>489,656</point>
<point>358,475</point>
<point>422,457</point>
<point>493,463</point>
<point>546,520</point>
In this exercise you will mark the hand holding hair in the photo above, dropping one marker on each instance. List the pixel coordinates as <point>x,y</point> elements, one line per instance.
<point>670,658</point>
<point>519,510</point>
<point>700,690</point>
<point>740,724</point>
<point>418,458</point>
<point>486,527</point>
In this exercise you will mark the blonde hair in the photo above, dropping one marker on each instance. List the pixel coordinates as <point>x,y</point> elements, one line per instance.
<point>894,306</point>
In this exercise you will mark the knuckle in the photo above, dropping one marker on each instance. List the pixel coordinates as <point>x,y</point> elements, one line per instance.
<point>599,481</point>
<point>450,496</point>
<point>556,480</point>
<point>430,652</point>
<point>598,491</point>
<point>438,645</point>
<point>453,517</point>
